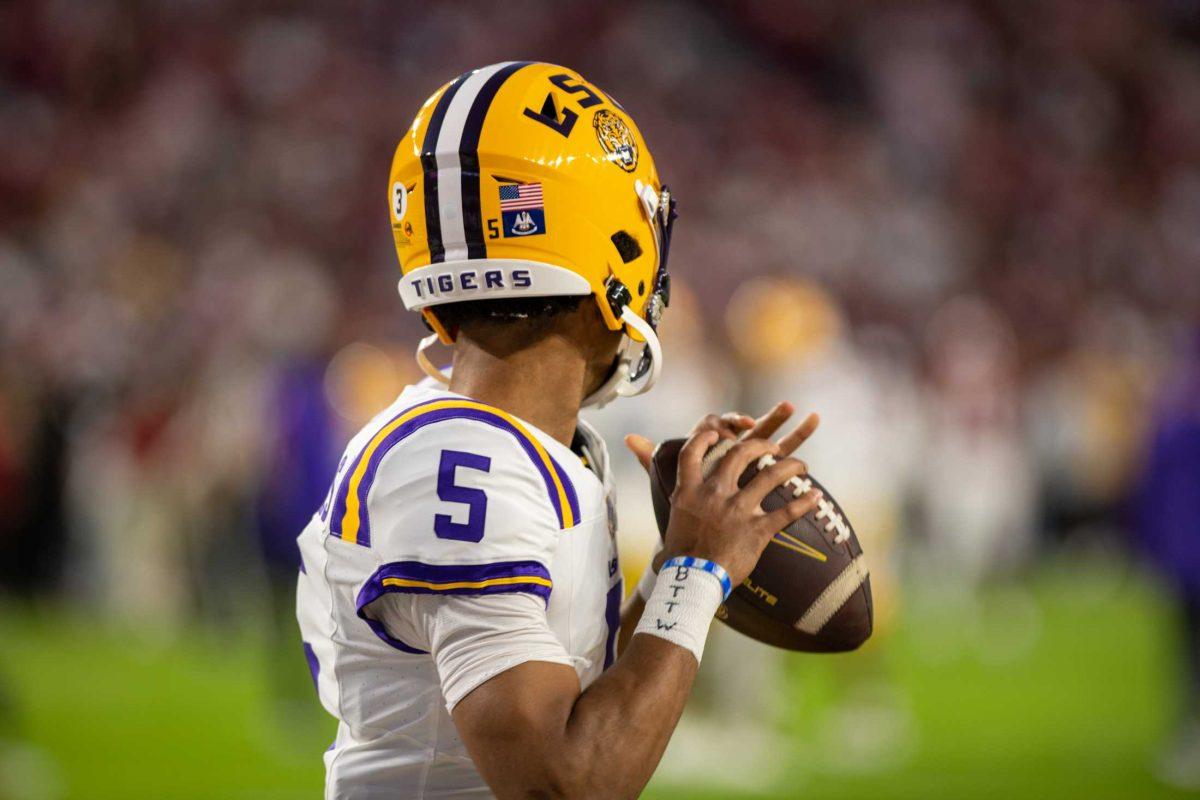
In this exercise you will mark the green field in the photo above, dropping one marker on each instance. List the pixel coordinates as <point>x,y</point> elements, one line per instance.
<point>1060,689</point>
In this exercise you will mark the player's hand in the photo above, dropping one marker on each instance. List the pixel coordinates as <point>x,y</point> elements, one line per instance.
<point>733,424</point>
<point>711,517</point>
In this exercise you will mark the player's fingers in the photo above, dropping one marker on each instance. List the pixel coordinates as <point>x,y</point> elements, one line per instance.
<point>709,422</point>
<point>688,472</point>
<point>729,425</point>
<point>642,448</point>
<point>739,457</point>
<point>770,478</point>
<point>780,518</point>
<point>788,444</point>
<point>734,423</point>
<point>766,425</point>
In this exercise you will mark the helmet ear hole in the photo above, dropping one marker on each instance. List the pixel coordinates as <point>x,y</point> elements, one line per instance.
<point>627,246</point>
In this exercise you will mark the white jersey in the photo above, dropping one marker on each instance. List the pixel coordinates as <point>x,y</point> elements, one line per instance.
<point>441,500</point>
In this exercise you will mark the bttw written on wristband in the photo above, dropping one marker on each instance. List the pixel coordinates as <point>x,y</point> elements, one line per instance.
<point>678,584</point>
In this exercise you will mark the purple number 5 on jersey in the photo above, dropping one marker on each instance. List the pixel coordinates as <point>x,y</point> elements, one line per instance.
<point>451,492</point>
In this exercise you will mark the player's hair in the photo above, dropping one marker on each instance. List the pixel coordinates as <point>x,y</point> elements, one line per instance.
<point>534,314</point>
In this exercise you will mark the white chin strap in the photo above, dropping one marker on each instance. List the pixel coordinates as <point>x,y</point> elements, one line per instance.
<point>619,383</point>
<point>427,366</point>
<point>629,357</point>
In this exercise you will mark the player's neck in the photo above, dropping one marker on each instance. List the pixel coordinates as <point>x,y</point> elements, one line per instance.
<point>541,384</point>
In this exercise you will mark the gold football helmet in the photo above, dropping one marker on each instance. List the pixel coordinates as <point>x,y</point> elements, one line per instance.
<point>521,179</point>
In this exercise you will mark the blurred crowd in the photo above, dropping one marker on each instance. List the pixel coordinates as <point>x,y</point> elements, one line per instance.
<point>966,233</point>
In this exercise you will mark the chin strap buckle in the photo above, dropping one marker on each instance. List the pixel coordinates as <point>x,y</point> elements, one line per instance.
<point>618,295</point>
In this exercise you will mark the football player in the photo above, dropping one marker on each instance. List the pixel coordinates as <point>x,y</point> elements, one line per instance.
<point>460,600</point>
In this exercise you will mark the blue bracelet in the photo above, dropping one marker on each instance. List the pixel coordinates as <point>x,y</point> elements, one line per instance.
<point>707,566</point>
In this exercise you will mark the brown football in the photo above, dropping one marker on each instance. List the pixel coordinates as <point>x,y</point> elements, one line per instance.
<point>810,590</point>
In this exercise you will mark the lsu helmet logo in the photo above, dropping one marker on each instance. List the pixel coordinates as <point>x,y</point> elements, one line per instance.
<point>616,139</point>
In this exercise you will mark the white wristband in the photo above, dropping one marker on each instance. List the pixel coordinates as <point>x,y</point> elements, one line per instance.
<point>681,607</point>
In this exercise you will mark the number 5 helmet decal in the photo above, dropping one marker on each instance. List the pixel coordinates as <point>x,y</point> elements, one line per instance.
<point>496,191</point>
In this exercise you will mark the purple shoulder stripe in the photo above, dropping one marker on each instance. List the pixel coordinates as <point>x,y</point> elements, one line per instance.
<point>339,501</point>
<point>416,577</point>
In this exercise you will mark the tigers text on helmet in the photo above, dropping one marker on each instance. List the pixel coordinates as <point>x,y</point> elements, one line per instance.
<point>522,179</point>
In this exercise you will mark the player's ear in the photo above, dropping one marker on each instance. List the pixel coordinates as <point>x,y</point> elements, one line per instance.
<point>587,329</point>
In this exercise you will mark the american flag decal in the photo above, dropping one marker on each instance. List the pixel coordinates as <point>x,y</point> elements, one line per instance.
<point>520,196</point>
<point>522,209</point>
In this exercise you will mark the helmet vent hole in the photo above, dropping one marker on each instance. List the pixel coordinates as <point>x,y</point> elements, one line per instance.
<point>641,288</point>
<point>627,247</point>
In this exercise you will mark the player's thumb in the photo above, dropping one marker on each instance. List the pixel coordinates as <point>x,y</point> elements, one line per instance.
<point>641,447</point>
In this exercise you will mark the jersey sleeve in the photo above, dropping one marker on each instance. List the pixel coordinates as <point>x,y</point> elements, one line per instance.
<point>457,501</point>
<point>473,639</point>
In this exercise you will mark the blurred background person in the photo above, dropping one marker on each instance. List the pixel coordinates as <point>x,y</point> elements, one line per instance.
<point>1167,514</point>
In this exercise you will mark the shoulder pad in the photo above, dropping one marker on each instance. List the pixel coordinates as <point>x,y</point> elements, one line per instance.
<point>430,465</point>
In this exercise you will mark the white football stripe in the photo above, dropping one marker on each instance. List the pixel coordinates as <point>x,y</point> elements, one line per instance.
<point>834,597</point>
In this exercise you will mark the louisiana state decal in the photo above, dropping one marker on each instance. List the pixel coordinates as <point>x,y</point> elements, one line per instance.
<point>616,139</point>
<point>522,209</point>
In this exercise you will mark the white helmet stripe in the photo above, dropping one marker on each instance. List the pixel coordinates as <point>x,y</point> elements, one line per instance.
<point>449,166</point>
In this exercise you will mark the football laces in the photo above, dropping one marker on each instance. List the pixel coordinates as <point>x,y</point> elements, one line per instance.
<point>825,510</point>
